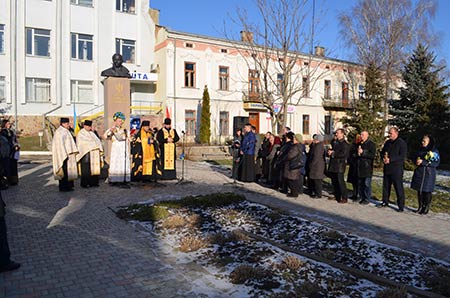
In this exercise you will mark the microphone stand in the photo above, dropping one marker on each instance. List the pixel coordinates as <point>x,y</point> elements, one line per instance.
<point>124,184</point>
<point>183,144</point>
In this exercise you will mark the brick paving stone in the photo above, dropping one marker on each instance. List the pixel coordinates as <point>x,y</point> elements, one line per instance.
<point>86,251</point>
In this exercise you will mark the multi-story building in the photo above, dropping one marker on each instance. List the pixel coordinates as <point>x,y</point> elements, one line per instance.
<point>52,53</point>
<point>188,62</point>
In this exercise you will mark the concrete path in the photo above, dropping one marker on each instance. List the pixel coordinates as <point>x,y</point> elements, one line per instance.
<point>72,244</point>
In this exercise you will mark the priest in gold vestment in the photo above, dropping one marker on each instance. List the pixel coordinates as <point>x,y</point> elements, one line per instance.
<point>167,137</point>
<point>145,155</point>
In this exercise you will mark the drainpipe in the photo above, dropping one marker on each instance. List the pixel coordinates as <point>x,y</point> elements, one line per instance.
<point>14,63</point>
<point>175,82</point>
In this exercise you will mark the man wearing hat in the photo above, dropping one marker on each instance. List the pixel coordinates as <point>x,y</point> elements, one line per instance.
<point>167,137</point>
<point>64,151</point>
<point>144,154</point>
<point>90,155</point>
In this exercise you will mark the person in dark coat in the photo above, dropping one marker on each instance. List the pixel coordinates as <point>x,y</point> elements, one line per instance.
<point>248,152</point>
<point>366,154</point>
<point>292,161</point>
<point>393,154</point>
<point>274,147</point>
<point>352,160</point>
<point>10,162</point>
<point>263,153</point>
<point>424,177</point>
<point>237,157</point>
<point>338,154</point>
<point>5,262</point>
<point>316,166</point>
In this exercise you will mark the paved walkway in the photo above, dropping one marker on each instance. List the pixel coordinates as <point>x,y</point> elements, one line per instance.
<point>72,244</point>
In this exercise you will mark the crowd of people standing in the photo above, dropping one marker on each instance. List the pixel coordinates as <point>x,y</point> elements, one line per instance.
<point>285,164</point>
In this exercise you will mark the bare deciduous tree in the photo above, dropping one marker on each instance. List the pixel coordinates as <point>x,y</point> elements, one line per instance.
<point>384,32</point>
<point>281,72</point>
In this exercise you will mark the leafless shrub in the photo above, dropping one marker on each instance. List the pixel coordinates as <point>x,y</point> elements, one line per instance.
<point>291,263</point>
<point>194,220</point>
<point>174,222</point>
<point>243,273</point>
<point>393,293</point>
<point>191,243</point>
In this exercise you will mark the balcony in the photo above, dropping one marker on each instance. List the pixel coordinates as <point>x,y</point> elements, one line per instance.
<point>251,96</point>
<point>337,104</point>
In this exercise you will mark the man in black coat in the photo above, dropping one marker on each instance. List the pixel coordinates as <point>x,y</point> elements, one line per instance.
<point>393,154</point>
<point>366,154</point>
<point>5,263</point>
<point>338,157</point>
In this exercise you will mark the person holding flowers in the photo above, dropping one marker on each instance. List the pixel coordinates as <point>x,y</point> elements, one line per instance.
<point>424,177</point>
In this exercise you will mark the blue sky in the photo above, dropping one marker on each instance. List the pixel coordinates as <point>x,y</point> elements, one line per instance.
<point>206,17</point>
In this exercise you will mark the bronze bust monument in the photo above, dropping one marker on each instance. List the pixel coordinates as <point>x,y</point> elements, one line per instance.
<point>117,70</point>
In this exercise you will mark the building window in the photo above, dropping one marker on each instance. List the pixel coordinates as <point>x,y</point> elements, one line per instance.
<point>82,46</point>
<point>361,91</point>
<point>37,90</point>
<point>189,74</point>
<point>126,48</point>
<point>126,6</point>
<point>305,86</point>
<point>305,125</point>
<point>224,123</point>
<point>280,82</point>
<point>327,125</point>
<point>2,39</point>
<point>81,92</point>
<point>253,82</point>
<point>2,89</point>
<point>224,51</point>
<point>189,122</point>
<point>38,42</point>
<point>223,77</point>
<point>82,2</point>
<point>327,89</point>
<point>344,91</point>
<point>189,45</point>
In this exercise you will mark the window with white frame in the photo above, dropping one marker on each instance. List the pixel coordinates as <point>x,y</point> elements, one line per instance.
<point>81,91</point>
<point>327,89</point>
<point>126,48</point>
<point>223,77</point>
<point>2,88</point>
<point>82,2</point>
<point>305,86</point>
<point>2,38</point>
<point>38,42</point>
<point>37,90</point>
<point>305,126</point>
<point>189,74</point>
<point>128,6</point>
<point>224,123</point>
<point>280,83</point>
<point>82,46</point>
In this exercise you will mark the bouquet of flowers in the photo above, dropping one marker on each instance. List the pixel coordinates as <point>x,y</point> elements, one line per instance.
<point>432,156</point>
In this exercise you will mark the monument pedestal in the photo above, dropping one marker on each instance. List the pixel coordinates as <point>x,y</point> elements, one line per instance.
<point>117,98</point>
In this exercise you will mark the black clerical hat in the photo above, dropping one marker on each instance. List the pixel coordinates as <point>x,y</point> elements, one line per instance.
<point>145,123</point>
<point>87,122</point>
<point>64,120</point>
<point>167,121</point>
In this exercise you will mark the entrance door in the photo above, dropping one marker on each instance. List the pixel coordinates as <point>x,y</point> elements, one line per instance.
<point>253,118</point>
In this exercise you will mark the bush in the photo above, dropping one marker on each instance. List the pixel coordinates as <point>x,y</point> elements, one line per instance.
<point>190,243</point>
<point>291,263</point>
<point>243,273</point>
<point>143,213</point>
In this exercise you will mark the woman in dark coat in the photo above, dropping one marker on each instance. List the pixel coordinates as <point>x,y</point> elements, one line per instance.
<point>316,166</point>
<point>352,160</point>
<point>291,160</point>
<point>424,177</point>
<point>10,162</point>
<point>274,147</point>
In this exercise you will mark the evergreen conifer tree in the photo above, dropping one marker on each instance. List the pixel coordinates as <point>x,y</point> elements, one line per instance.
<point>423,107</point>
<point>367,113</point>
<point>205,121</point>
